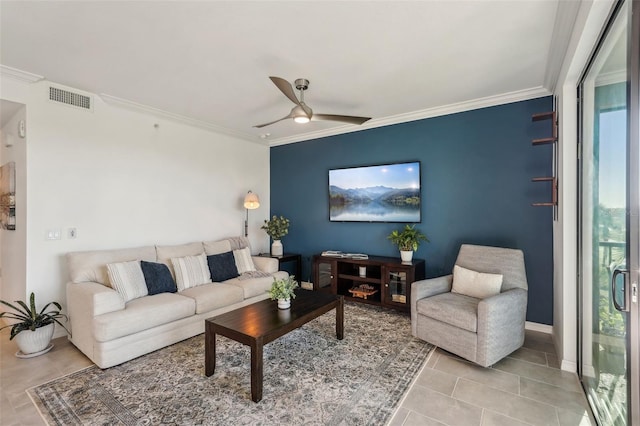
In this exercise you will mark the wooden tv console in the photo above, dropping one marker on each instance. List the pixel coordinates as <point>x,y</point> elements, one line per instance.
<point>384,281</point>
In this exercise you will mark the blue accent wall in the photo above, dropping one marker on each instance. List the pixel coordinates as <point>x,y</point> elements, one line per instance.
<point>476,188</point>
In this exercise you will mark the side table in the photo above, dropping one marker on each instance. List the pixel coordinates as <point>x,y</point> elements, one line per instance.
<point>289,257</point>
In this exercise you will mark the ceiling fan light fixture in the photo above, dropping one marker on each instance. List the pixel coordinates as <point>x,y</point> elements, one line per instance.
<point>299,115</point>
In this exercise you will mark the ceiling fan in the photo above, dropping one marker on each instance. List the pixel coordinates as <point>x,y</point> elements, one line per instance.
<point>301,113</point>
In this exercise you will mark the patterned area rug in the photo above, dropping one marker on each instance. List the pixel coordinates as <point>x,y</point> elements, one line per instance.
<point>310,378</point>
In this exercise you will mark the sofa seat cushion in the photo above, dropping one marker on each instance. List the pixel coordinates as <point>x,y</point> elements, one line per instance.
<point>142,314</point>
<point>256,286</point>
<point>213,296</point>
<point>452,308</point>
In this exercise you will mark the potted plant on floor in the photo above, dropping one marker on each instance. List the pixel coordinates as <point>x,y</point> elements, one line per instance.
<point>408,240</point>
<point>282,291</point>
<point>276,228</point>
<point>33,330</point>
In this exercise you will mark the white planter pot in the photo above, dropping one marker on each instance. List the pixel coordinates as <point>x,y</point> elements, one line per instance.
<point>30,342</point>
<point>406,256</point>
<point>284,303</point>
<point>276,248</point>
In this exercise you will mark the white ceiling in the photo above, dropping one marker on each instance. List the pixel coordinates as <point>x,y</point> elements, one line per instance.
<point>210,60</point>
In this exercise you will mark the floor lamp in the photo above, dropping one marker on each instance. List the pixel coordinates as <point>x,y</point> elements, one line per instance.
<point>251,202</point>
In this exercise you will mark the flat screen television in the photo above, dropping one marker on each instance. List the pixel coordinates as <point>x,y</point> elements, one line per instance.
<point>381,193</point>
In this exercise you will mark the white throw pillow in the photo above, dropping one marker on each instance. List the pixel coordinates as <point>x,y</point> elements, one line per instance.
<point>127,279</point>
<point>243,259</point>
<point>475,284</point>
<point>191,271</point>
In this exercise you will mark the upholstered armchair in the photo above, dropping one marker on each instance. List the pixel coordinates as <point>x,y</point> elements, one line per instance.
<point>479,311</point>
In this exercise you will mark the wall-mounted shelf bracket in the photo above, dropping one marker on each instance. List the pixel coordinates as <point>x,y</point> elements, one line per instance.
<point>552,116</point>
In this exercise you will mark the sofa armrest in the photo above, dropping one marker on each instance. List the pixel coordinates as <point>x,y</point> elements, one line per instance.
<point>93,299</point>
<point>85,301</point>
<point>266,264</point>
<point>501,321</point>
<point>427,288</point>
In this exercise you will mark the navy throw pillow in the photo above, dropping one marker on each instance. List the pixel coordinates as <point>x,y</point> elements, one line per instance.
<point>158,278</point>
<point>222,266</point>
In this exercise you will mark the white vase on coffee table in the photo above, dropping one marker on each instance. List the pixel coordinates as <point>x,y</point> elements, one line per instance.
<point>284,303</point>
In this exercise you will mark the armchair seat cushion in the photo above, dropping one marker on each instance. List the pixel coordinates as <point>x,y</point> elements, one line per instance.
<point>451,308</point>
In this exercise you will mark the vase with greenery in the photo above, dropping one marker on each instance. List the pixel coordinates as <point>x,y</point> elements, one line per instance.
<point>283,291</point>
<point>276,228</point>
<point>408,240</point>
<point>32,330</point>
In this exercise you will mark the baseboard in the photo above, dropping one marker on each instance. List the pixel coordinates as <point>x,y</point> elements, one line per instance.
<point>570,366</point>
<point>536,326</point>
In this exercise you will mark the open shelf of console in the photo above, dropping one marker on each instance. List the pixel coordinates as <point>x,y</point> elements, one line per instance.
<point>378,280</point>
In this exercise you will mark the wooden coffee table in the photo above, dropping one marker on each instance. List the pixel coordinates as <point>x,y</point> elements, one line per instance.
<point>262,322</point>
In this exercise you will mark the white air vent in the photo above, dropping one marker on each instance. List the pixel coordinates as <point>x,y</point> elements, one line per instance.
<point>70,98</point>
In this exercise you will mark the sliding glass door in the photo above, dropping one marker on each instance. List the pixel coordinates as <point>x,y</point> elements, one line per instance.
<point>608,228</point>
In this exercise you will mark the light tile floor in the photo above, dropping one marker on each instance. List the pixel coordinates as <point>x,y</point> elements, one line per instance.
<point>526,388</point>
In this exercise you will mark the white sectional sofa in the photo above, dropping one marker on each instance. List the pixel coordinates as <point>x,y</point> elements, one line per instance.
<point>110,330</point>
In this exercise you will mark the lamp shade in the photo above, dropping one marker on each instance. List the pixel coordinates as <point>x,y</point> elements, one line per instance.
<point>251,201</point>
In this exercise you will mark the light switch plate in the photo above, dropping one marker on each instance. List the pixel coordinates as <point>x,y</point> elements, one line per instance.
<point>53,234</point>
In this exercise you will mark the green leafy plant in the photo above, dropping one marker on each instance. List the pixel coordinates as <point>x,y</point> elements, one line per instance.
<point>283,289</point>
<point>407,239</point>
<point>277,227</point>
<point>29,318</point>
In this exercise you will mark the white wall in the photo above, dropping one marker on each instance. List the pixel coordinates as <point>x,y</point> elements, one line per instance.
<point>13,244</point>
<point>122,182</point>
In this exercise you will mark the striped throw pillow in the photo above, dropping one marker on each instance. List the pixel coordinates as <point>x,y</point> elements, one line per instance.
<point>127,279</point>
<point>244,263</point>
<point>191,271</point>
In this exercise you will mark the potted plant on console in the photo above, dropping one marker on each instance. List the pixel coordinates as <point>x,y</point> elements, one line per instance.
<point>276,228</point>
<point>282,291</point>
<point>408,240</point>
<point>33,330</point>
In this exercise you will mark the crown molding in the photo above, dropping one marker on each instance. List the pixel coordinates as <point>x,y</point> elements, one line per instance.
<point>19,75</point>
<point>489,101</point>
<point>145,109</point>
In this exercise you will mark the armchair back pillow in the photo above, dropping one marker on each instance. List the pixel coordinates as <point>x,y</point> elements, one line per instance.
<point>475,284</point>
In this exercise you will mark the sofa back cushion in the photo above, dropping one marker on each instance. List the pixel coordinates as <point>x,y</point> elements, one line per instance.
<point>166,253</point>
<point>216,247</point>
<point>91,266</point>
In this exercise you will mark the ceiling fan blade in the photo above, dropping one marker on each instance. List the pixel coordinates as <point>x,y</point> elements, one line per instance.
<point>286,88</point>
<point>273,122</point>
<point>343,118</point>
